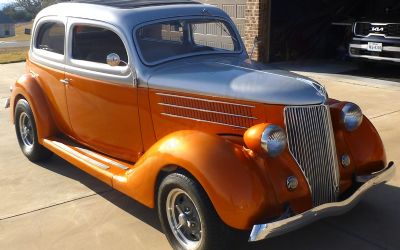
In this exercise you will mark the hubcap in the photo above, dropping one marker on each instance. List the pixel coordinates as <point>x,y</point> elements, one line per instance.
<point>26,130</point>
<point>184,219</point>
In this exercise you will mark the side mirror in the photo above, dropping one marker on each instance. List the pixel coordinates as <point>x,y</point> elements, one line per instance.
<point>113,59</point>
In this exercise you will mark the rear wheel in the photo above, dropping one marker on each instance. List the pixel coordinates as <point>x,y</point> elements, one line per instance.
<point>25,128</point>
<point>188,218</point>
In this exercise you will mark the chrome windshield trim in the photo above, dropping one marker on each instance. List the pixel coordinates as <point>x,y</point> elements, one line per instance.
<point>279,227</point>
<point>206,111</point>
<point>231,26</point>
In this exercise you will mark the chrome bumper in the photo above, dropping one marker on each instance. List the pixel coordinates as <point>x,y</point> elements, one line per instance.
<point>376,58</point>
<point>7,103</point>
<point>275,228</point>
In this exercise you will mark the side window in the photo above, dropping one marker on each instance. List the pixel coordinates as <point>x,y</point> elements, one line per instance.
<point>51,37</point>
<point>94,44</point>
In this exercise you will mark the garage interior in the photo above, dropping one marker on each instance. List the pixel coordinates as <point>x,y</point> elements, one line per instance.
<point>319,29</point>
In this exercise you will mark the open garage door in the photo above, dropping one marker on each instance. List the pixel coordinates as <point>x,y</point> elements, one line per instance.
<point>313,29</point>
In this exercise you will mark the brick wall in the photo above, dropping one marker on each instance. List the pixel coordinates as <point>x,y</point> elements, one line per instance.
<point>257,25</point>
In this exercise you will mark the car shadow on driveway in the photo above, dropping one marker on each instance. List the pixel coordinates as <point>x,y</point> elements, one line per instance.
<point>143,213</point>
<point>372,224</point>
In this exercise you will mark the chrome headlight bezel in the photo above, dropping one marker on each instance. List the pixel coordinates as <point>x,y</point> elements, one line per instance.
<point>273,140</point>
<point>351,116</point>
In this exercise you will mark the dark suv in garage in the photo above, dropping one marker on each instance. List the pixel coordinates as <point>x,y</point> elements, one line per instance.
<point>376,39</point>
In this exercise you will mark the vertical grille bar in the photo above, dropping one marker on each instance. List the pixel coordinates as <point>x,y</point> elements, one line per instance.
<point>311,142</point>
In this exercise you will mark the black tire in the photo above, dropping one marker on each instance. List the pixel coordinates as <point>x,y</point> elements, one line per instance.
<point>214,233</point>
<point>31,149</point>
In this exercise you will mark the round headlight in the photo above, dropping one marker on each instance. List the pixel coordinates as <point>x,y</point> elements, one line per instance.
<point>273,140</point>
<point>352,116</point>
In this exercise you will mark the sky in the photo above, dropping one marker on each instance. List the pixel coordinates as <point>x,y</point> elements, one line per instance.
<point>4,3</point>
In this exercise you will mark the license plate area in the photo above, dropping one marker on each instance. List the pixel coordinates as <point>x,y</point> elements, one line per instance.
<point>375,47</point>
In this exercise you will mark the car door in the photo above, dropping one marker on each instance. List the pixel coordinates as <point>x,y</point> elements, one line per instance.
<point>102,99</point>
<point>46,64</point>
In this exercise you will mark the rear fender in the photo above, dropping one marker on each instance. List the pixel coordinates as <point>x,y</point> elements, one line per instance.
<point>28,88</point>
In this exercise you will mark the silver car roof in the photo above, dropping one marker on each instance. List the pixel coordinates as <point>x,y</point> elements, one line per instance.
<point>127,18</point>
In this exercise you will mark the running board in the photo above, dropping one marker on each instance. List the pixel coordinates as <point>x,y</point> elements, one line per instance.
<point>98,165</point>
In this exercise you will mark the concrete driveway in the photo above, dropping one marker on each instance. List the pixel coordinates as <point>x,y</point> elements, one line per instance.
<point>16,44</point>
<point>53,205</point>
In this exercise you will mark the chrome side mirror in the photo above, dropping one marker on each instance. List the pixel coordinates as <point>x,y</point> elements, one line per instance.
<point>113,59</point>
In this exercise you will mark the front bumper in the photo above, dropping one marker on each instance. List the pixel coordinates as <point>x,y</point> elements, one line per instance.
<point>275,228</point>
<point>7,103</point>
<point>358,48</point>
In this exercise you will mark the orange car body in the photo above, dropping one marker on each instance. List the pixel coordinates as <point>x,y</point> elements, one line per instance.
<point>245,188</point>
<point>140,132</point>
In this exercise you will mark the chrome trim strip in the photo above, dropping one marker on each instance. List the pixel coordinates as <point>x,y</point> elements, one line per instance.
<point>79,155</point>
<point>200,120</point>
<point>205,100</point>
<point>101,158</point>
<point>207,111</point>
<point>384,48</point>
<point>279,227</point>
<point>377,58</point>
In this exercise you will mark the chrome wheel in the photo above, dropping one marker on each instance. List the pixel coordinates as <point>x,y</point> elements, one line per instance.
<point>183,218</point>
<point>26,130</point>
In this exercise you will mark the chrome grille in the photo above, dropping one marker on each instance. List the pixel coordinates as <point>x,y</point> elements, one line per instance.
<point>311,142</point>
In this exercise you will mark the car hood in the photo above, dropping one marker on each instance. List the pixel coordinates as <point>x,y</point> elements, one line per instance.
<point>235,79</point>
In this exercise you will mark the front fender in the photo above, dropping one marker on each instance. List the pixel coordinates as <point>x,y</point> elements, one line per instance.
<point>364,144</point>
<point>228,175</point>
<point>28,88</point>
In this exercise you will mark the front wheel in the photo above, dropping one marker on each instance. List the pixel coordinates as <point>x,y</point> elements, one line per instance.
<point>188,218</point>
<point>25,127</point>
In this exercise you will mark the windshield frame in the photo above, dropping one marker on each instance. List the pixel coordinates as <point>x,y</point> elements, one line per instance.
<point>230,26</point>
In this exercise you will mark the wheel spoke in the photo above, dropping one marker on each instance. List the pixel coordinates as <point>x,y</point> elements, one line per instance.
<point>183,218</point>
<point>179,209</point>
<point>26,130</point>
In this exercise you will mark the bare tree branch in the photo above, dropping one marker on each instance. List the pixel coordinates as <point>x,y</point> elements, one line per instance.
<point>34,6</point>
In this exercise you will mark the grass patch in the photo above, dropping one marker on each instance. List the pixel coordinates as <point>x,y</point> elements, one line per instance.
<point>19,33</point>
<point>9,55</point>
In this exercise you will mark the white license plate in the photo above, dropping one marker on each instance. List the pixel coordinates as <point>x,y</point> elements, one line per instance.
<point>377,47</point>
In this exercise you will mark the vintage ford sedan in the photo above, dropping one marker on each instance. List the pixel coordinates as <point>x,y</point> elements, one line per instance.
<point>160,100</point>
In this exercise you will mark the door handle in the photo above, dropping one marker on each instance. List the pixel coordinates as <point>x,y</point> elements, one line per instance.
<point>65,81</point>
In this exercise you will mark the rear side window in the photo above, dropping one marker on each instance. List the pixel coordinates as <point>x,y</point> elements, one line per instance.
<point>94,44</point>
<point>51,37</point>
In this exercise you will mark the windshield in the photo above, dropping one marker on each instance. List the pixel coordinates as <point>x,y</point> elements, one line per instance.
<point>160,42</point>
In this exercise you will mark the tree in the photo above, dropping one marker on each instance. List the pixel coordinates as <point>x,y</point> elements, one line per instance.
<point>15,14</point>
<point>34,6</point>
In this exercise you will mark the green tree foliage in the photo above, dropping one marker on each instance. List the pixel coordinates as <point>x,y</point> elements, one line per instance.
<point>26,10</point>
<point>34,6</point>
<point>16,14</point>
